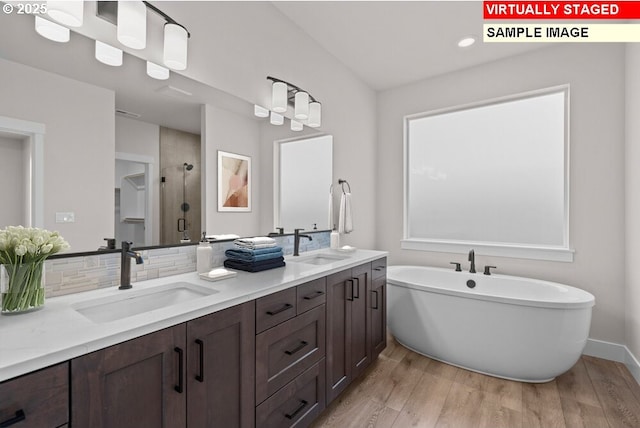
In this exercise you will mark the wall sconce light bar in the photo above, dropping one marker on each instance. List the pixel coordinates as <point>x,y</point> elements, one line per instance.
<point>306,107</point>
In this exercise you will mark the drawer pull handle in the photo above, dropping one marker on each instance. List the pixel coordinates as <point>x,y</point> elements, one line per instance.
<point>282,309</point>
<point>292,415</point>
<point>357,296</point>
<point>350,298</point>
<point>379,268</point>
<point>19,417</point>
<point>180,386</point>
<point>200,376</point>
<point>376,305</point>
<point>313,295</point>
<point>302,344</point>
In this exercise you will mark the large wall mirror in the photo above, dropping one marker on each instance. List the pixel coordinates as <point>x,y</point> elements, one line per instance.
<point>302,183</point>
<point>491,176</point>
<point>94,114</point>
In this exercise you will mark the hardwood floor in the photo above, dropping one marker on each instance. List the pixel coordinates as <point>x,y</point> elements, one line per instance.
<point>403,389</point>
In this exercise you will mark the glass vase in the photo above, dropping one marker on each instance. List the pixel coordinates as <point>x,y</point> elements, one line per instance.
<point>22,287</point>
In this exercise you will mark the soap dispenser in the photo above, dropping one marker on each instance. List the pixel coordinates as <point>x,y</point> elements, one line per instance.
<point>203,255</point>
<point>335,239</point>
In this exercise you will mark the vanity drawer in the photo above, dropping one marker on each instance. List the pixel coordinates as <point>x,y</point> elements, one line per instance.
<point>275,308</point>
<point>298,403</point>
<point>42,398</point>
<point>379,268</point>
<point>311,294</point>
<point>287,350</point>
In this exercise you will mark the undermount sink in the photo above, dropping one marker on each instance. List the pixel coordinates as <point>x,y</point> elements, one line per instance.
<point>319,259</point>
<point>134,302</point>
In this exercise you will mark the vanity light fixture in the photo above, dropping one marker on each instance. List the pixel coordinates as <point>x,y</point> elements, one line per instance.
<point>306,109</point>
<point>279,97</point>
<point>157,71</point>
<point>276,118</point>
<point>108,55</point>
<point>260,111</point>
<point>315,115</point>
<point>51,30</point>
<point>301,105</point>
<point>67,12</point>
<point>132,24</point>
<point>175,46</point>
<point>296,126</point>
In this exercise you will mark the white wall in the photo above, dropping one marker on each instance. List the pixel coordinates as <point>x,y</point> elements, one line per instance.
<point>632,160</point>
<point>79,120</point>
<point>141,138</point>
<point>229,132</point>
<point>596,75</point>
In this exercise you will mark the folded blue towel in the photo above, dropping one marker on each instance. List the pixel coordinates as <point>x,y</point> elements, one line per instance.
<point>253,255</point>
<point>255,266</point>
<point>257,250</point>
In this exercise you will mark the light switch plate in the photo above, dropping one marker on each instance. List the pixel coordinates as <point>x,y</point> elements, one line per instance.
<point>68,217</point>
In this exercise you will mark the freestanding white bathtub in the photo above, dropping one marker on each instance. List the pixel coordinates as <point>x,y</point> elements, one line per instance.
<point>505,326</point>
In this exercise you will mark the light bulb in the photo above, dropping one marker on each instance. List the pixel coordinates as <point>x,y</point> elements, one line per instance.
<point>301,106</point>
<point>175,46</point>
<point>51,30</point>
<point>132,24</point>
<point>67,12</point>
<point>315,115</point>
<point>107,54</point>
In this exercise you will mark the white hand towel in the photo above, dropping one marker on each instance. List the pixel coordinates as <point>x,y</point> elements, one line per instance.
<point>345,220</point>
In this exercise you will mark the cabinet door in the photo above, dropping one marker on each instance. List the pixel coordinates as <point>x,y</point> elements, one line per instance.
<point>138,383</point>
<point>221,368</point>
<point>39,399</point>
<point>360,319</point>
<point>378,316</point>
<point>338,328</point>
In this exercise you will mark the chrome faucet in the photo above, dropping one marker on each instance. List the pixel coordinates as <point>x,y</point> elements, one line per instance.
<point>296,241</point>
<point>472,259</point>
<point>125,264</point>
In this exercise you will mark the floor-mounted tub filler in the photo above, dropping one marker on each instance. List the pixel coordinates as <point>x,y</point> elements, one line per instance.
<point>505,326</point>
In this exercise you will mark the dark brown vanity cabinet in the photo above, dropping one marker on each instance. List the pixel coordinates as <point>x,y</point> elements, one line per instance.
<point>221,369</point>
<point>196,374</point>
<point>290,356</point>
<point>378,305</point>
<point>138,383</point>
<point>276,361</point>
<point>36,400</point>
<point>356,323</point>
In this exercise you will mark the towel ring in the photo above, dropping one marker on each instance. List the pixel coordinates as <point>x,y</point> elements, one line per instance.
<point>343,182</point>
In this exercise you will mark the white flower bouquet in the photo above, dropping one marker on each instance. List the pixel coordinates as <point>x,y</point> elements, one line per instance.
<point>23,251</point>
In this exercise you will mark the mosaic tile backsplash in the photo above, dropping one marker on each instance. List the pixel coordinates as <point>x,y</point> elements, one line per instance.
<point>83,273</point>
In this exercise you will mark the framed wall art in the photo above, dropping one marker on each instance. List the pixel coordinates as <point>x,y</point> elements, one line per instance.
<point>234,182</point>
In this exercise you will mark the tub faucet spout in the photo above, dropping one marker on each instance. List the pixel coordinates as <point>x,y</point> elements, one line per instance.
<point>472,259</point>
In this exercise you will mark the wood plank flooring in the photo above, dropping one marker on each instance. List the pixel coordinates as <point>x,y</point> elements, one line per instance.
<point>403,389</point>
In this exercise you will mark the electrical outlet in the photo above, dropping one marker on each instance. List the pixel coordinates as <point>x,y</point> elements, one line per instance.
<point>68,217</point>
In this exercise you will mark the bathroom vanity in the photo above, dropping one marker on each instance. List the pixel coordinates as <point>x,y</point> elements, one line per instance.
<point>266,349</point>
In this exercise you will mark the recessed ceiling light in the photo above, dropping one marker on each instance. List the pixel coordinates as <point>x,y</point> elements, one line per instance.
<point>465,42</point>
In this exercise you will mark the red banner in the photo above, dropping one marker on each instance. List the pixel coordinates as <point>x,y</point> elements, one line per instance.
<point>582,10</point>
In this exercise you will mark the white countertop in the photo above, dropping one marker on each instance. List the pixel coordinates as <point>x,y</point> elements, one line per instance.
<point>57,332</point>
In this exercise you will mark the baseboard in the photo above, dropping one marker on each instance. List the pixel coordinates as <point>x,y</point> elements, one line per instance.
<point>613,352</point>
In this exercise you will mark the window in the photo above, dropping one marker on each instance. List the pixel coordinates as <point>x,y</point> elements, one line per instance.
<point>492,176</point>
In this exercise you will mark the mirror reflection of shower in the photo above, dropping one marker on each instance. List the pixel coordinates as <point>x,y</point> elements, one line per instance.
<point>180,195</point>
<point>183,227</point>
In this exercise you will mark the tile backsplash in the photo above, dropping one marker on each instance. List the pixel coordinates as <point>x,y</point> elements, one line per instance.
<point>83,273</point>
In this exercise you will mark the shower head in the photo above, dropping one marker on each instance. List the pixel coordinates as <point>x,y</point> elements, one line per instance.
<point>188,166</point>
